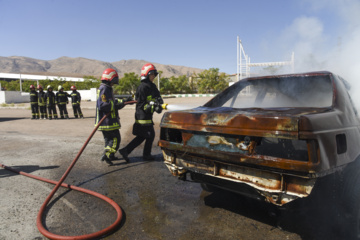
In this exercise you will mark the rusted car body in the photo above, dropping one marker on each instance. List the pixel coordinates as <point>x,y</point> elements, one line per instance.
<point>269,137</point>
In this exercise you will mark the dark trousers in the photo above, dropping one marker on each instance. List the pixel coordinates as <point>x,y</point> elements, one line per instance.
<point>112,142</point>
<point>142,133</point>
<point>77,109</point>
<point>63,110</point>
<point>43,111</point>
<point>34,111</point>
<point>51,111</point>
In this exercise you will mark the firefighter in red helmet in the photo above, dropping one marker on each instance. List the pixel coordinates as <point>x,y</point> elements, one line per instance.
<point>42,102</point>
<point>148,101</point>
<point>34,103</point>
<point>75,100</point>
<point>107,104</point>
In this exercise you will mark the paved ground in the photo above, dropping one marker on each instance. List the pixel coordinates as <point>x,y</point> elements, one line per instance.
<point>155,204</point>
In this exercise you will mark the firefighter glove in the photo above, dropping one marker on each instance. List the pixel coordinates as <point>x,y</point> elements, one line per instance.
<point>149,108</point>
<point>119,103</point>
<point>157,105</point>
<point>158,108</point>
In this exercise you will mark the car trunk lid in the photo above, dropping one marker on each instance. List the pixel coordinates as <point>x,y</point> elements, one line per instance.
<point>282,122</point>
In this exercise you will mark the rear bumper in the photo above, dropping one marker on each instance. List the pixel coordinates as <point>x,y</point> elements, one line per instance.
<point>276,188</point>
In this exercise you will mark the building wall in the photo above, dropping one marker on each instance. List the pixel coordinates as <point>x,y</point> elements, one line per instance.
<point>14,97</point>
<point>22,97</point>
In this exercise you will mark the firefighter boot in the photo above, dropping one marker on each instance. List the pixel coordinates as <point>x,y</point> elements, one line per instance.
<point>106,159</point>
<point>112,157</point>
<point>124,154</point>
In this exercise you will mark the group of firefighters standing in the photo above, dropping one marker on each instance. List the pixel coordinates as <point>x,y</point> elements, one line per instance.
<point>42,101</point>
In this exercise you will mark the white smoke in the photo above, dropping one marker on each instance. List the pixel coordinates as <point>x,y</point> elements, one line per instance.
<point>337,50</point>
<point>304,36</point>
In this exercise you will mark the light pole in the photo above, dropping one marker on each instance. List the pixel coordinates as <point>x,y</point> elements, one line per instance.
<point>20,84</point>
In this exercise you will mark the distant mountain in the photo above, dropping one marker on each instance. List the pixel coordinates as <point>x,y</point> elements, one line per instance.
<point>79,67</point>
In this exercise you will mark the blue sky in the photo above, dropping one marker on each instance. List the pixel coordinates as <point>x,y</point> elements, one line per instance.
<point>196,33</point>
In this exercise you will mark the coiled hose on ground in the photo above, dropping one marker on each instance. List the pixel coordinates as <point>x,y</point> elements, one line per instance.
<point>39,219</point>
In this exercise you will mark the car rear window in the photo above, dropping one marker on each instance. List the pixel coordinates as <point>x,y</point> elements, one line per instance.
<point>292,91</point>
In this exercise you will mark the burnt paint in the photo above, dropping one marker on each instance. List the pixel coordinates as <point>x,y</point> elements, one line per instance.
<point>315,124</point>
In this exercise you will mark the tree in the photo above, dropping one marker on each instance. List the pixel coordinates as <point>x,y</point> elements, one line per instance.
<point>66,86</point>
<point>14,86</point>
<point>207,81</point>
<point>211,81</point>
<point>180,84</point>
<point>128,84</point>
<point>166,87</point>
<point>89,82</point>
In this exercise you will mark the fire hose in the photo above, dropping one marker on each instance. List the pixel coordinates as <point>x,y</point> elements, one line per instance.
<point>39,219</point>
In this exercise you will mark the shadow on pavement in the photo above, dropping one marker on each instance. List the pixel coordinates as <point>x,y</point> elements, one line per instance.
<point>10,119</point>
<point>25,168</point>
<point>111,172</point>
<point>310,223</point>
<point>158,158</point>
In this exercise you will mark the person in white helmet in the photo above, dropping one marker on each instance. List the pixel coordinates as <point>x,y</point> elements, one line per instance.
<point>62,100</point>
<point>76,100</point>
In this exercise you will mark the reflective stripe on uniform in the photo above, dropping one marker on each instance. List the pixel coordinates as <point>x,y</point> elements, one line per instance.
<point>151,107</point>
<point>113,147</point>
<point>144,121</point>
<point>109,128</point>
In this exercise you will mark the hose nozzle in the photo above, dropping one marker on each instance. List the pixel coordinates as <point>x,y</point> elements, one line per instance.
<point>164,106</point>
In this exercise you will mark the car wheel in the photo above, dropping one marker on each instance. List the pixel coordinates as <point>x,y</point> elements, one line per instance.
<point>351,202</point>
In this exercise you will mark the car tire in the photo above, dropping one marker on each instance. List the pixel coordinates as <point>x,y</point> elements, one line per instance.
<point>350,204</point>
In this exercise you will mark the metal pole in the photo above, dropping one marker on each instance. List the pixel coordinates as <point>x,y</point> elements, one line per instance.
<point>237,63</point>
<point>247,66</point>
<point>159,81</point>
<point>240,59</point>
<point>20,84</point>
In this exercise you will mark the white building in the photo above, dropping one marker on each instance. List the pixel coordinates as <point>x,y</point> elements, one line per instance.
<point>21,97</point>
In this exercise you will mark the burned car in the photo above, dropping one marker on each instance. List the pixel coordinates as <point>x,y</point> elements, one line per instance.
<point>271,137</point>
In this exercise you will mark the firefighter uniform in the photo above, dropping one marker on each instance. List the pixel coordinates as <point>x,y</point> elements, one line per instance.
<point>62,100</point>
<point>42,102</point>
<point>107,105</point>
<point>75,100</point>
<point>51,103</point>
<point>146,94</point>
<point>34,103</point>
